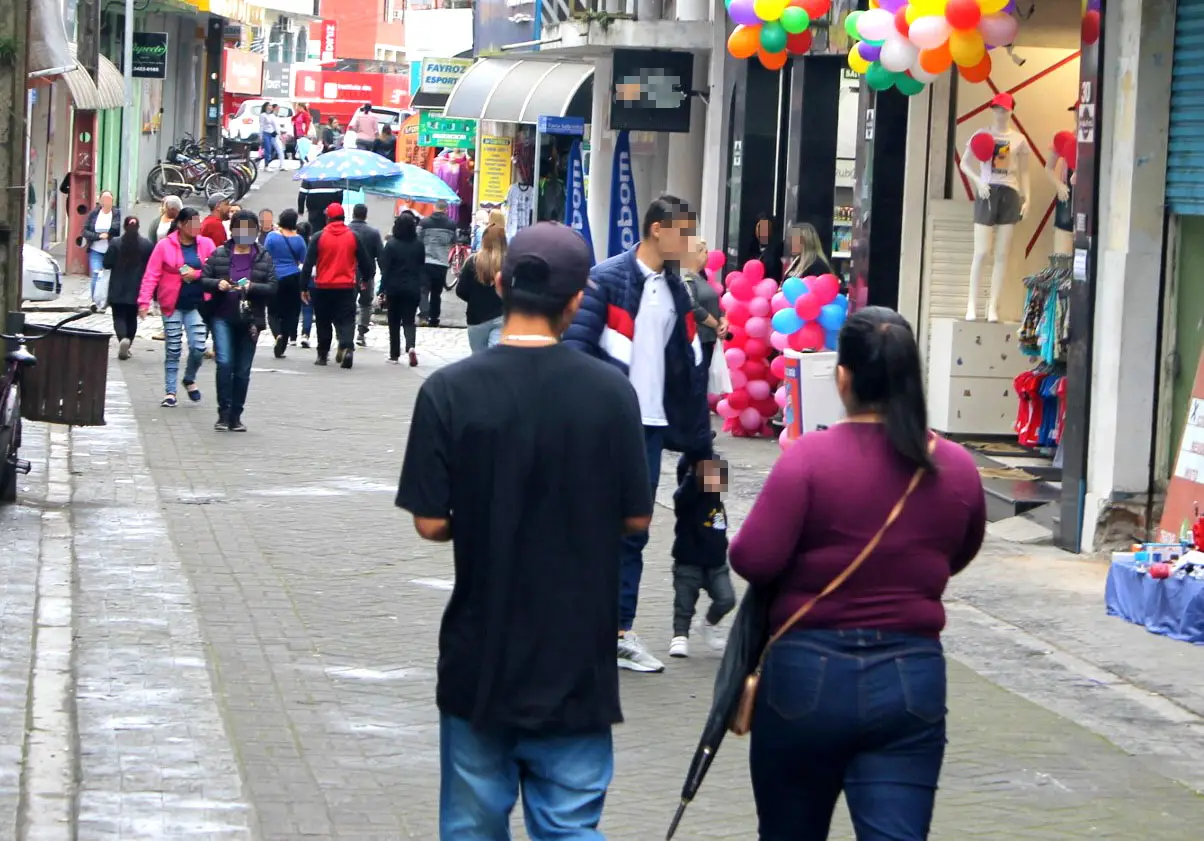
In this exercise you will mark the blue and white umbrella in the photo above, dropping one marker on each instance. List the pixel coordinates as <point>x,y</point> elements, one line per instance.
<point>413,183</point>
<point>347,165</point>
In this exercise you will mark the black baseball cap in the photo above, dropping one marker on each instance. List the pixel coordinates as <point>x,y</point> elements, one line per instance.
<point>547,258</point>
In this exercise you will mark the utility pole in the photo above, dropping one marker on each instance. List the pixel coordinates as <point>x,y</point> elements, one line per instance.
<point>129,190</point>
<point>14,35</point>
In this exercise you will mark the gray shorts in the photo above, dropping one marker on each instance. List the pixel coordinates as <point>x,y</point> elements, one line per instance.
<point>1002,208</point>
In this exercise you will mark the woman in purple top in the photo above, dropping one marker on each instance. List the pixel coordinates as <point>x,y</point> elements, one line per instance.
<point>241,279</point>
<point>852,698</point>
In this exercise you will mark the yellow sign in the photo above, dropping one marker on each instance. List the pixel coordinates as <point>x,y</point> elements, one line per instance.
<point>493,170</point>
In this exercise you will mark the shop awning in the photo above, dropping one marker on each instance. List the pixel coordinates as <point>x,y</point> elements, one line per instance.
<point>428,101</point>
<point>49,53</point>
<point>86,95</point>
<point>511,91</point>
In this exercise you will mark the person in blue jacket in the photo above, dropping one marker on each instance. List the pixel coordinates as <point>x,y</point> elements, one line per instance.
<point>637,315</point>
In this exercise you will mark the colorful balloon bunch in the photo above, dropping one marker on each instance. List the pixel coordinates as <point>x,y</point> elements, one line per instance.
<point>1091,21</point>
<point>805,314</point>
<point>772,30</point>
<point>906,44</point>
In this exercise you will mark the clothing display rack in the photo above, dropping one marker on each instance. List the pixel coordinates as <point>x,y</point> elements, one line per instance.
<point>1044,335</point>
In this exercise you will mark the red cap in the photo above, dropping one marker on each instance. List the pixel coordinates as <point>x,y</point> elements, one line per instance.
<point>335,211</point>
<point>1004,100</point>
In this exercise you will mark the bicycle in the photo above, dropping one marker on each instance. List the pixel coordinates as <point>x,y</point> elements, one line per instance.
<point>456,258</point>
<point>16,361</point>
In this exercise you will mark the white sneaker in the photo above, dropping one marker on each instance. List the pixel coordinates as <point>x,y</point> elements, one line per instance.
<point>679,647</point>
<point>635,656</point>
<point>715,636</point>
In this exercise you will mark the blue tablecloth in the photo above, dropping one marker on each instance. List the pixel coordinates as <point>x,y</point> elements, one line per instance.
<point>1173,607</point>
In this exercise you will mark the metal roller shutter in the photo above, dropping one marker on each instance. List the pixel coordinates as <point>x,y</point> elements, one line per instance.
<point>1185,162</point>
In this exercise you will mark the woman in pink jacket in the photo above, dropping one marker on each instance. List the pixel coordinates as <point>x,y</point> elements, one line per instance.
<point>174,275</point>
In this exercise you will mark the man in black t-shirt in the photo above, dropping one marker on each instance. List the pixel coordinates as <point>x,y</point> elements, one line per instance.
<point>530,458</point>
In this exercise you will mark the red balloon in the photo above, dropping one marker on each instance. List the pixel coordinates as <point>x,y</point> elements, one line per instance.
<point>1091,25</point>
<point>982,146</point>
<point>755,369</point>
<point>737,336</point>
<point>825,288</point>
<point>799,43</point>
<point>743,288</point>
<point>963,14</point>
<point>807,307</point>
<point>738,399</point>
<point>767,407</point>
<point>796,340</point>
<point>812,336</point>
<point>738,313</point>
<point>815,9</point>
<point>754,270</point>
<point>756,349</point>
<point>1067,147</point>
<point>901,23</point>
<point>778,367</point>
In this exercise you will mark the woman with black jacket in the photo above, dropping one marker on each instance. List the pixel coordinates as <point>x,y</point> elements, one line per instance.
<point>126,261</point>
<point>101,227</point>
<point>242,280</point>
<point>402,267</point>
<point>475,287</point>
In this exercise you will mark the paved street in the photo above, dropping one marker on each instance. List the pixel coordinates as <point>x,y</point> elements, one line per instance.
<point>255,637</point>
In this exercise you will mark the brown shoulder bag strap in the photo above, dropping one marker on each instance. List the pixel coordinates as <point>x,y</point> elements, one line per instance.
<point>857,562</point>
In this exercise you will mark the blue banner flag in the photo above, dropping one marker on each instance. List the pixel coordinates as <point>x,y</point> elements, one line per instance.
<point>624,215</point>
<point>576,215</point>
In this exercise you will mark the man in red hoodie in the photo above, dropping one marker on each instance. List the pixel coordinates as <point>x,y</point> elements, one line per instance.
<point>334,254</point>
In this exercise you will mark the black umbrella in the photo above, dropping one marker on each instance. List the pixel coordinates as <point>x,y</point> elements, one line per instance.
<point>749,634</point>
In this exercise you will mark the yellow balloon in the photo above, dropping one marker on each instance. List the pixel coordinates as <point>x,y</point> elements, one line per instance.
<point>874,4</point>
<point>926,8</point>
<point>911,15</point>
<point>769,10</point>
<point>966,47</point>
<point>856,63</point>
<point>990,7</point>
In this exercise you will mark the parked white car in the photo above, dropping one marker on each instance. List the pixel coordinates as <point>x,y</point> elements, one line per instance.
<point>245,121</point>
<point>41,278</point>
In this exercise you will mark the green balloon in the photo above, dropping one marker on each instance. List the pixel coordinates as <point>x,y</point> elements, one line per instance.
<point>773,37</point>
<point>850,25</point>
<point>907,85</point>
<point>878,77</point>
<point>795,20</point>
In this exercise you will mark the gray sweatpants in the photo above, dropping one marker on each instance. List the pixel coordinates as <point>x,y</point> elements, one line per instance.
<point>365,299</point>
<point>688,582</point>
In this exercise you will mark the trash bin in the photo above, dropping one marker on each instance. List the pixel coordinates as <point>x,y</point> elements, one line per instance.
<point>68,384</point>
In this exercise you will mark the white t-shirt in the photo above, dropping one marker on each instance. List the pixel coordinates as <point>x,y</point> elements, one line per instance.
<point>653,327</point>
<point>520,206</point>
<point>104,221</point>
<point>1011,152</point>
<point>162,229</point>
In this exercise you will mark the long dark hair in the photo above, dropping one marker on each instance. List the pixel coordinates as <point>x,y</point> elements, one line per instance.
<point>878,349</point>
<point>129,247</point>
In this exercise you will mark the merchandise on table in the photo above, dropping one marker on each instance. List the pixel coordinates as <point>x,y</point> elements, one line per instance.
<point>1160,586</point>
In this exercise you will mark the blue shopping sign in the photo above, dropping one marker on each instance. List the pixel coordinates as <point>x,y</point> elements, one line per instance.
<point>575,211</point>
<point>572,126</point>
<point>624,215</point>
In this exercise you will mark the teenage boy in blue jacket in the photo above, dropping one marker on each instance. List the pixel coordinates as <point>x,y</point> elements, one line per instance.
<point>637,315</point>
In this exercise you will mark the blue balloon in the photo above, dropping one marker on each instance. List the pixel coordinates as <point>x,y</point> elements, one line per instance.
<point>794,288</point>
<point>843,302</point>
<point>831,338</point>
<point>831,317</point>
<point>787,321</point>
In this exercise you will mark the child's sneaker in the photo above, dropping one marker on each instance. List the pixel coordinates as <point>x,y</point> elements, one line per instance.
<point>679,647</point>
<point>715,636</point>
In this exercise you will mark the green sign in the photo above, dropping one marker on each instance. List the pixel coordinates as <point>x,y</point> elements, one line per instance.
<point>447,132</point>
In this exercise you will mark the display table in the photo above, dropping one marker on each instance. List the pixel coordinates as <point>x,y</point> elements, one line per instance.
<point>1172,607</point>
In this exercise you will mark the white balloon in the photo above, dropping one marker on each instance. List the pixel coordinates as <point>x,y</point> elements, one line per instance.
<point>875,25</point>
<point>920,74</point>
<point>898,54</point>
<point>998,30</point>
<point>928,32</point>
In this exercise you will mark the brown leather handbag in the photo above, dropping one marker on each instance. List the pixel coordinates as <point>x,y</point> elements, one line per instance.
<point>742,718</point>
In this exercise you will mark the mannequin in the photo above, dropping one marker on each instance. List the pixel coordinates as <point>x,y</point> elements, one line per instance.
<point>1001,187</point>
<point>1063,155</point>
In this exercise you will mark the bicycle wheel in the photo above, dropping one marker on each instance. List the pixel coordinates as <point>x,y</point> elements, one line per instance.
<point>156,182</point>
<point>10,440</point>
<point>219,183</point>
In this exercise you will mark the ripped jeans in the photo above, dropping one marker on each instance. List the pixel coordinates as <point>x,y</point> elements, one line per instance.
<point>175,327</point>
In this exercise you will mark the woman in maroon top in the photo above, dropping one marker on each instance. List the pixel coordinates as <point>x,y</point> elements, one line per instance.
<point>852,698</point>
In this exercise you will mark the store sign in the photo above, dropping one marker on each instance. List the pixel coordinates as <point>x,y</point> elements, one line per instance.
<point>651,90</point>
<point>493,170</point>
<point>576,214</point>
<point>386,89</point>
<point>395,90</point>
<point>447,132</point>
<point>624,214</point>
<point>439,75</point>
<point>242,72</point>
<point>150,55</point>
<point>329,40</point>
<point>570,126</point>
<point>278,79</point>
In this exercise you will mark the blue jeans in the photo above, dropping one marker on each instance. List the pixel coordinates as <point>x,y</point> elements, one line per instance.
<point>562,779</point>
<point>631,556</point>
<point>268,144</point>
<point>235,351</point>
<point>861,712</point>
<point>307,319</point>
<point>484,335</point>
<point>96,262</point>
<point>177,326</point>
